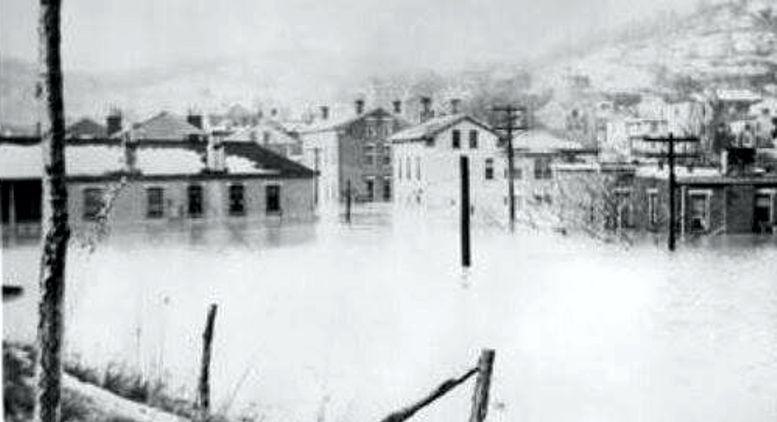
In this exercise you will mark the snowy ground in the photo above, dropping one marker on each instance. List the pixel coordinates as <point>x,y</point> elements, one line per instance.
<point>354,322</point>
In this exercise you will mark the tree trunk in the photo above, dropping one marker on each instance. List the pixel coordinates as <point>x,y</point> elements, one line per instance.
<point>55,219</point>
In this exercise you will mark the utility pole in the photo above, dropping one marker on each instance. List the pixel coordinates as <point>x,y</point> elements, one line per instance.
<point>466,258</point>
<point>55,227</point>
<point>482,386</point>
<point>203,402</point>
<point>670,156</point>
<point>510,126</point>
<point>348,201</point>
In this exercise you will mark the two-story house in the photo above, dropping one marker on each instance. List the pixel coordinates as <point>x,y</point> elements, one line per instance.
<point>353,149</point>
<point>427,166</point>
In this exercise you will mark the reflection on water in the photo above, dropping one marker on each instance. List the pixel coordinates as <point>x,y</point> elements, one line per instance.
<point>361,319</point>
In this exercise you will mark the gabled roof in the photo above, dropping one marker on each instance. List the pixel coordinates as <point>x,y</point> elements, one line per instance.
<point>264,158</point>
<point>163,126</point>
<point>87,128</point>
<point>252,133</point>
<point>432,127</point>
<point>96,159</point>
<point>342,121</point>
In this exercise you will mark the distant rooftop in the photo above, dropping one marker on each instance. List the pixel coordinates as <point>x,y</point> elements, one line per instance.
<point>433,126</point>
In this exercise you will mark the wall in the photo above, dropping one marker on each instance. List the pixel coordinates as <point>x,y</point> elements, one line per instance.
<point>130,206</point>
<point>440,185</point>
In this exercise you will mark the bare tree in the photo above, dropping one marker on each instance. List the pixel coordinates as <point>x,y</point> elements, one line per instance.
<point>55,217</point>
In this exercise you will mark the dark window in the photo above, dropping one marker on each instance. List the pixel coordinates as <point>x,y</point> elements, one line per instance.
<point>273,198</point>
<point>699,208</point>
<point>473,139</point>
<point>418,168</point>
<point>489,169</point>
<point>386,189</point>
<point>194,200</point>
<point>369,154</point>
<point>237,204</point>
<point>370,189</point>
<point>408,169</point>
<point>456,139</point>
<point>93,203</point>
<point>542,168</point>
<point>386,155</point>
<point>155,202</point>
<point>266,137</point>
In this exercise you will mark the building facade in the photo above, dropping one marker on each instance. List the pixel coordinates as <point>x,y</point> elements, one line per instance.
<point>351,151</point>
<point>427,166</point>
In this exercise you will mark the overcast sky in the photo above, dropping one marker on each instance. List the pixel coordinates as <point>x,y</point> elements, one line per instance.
<point>120,35</point>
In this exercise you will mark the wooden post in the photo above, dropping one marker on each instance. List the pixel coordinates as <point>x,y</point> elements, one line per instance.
<point>54,221</point>
<point>348,202</point>
<point>482,386</point>
<point>204,384</point>
<point>466,259</point>
<point>672,184</point>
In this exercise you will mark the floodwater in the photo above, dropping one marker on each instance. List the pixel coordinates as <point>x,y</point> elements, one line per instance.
<point>340,323</point>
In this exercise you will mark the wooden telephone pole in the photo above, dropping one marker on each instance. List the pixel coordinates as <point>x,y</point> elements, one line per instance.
<point>670,156</point>
<point>54,221</point>
<point>511,114</point>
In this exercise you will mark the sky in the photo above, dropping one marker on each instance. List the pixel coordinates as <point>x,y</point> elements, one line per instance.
<point>110,35</point>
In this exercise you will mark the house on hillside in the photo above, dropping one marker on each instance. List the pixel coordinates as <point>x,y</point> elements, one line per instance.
<point>86,128</point>
<point>351,149</point>
<point>426,166</point>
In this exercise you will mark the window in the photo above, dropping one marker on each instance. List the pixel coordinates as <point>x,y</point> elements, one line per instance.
<point>386,189</point>
<point>194,200</point>
<point>623,211</point>
<point>418,168</point>
<point>399,168</point>
<point>542,168</point>
<point>386,155</point>
<point>237,200</point>
<point>763,214</point>
<point>456,139</point>
<point>155,200</point>
<point>699,210</point>
<point>489,169</point>
<point>370,184</point>
<point>266,137</point>
<point>473,139</point>
<point>408,169</point>
<point>272,195</point>
<point>652,207</point>
<point>369,154</point>
<point>93,203</point>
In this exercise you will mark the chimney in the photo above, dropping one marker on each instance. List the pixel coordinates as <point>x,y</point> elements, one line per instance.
<point>130,153</point>
<point>113,122</point>
<point>455,103</point>
<point>324,112</point>
<point>426,109</point>
<point>359,106</point>
<point>194,119</point>
<point>215,157</point>
<point>397,104</point>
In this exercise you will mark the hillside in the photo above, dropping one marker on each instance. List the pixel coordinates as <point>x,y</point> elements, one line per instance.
<point>729,43</point>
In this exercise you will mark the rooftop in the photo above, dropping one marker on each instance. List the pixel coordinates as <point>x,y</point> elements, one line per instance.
<point>433,126</point>
<point>163,126</point>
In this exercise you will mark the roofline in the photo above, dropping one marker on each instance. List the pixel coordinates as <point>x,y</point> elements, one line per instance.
<point>461,118</point>
<point>336,126</point>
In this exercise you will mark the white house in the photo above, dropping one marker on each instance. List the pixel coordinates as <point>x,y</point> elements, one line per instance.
<point>427,171</point>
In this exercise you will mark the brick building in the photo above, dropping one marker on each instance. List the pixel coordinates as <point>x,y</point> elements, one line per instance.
<point>353,148</point>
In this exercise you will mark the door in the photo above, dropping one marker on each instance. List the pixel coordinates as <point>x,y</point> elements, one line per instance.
<point>762,215</point>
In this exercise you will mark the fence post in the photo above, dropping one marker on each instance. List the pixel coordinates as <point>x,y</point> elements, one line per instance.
<point>348,201</point>
<point>482,385</point>
<point>204,383</point>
